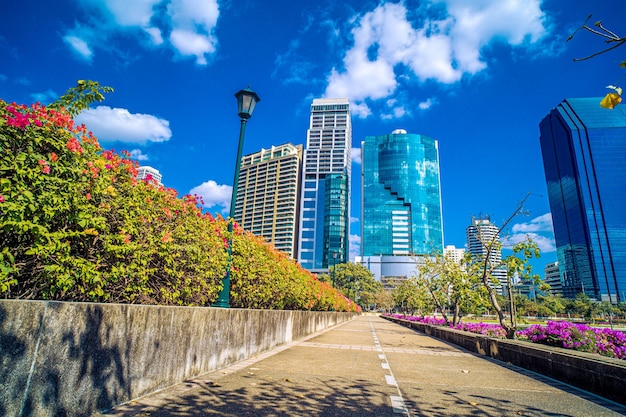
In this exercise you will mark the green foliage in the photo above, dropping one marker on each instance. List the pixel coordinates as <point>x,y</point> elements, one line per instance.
<point>80,97</point>
<point>77,225</point>
<point>452,285</point>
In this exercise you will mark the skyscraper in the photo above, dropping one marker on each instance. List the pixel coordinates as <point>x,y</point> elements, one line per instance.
<point>269,194</point>
<point>584,149</point>
<point>325,204</point>
<point>479,235</point>
<point>400,202</point>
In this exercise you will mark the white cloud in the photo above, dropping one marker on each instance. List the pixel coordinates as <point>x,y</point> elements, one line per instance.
<point>79,47</point>
<point>138,155</point>
<point>356,155</point>
<point>426,104</point>
<point>189,23</point>
<point>193,24</point>
<point>442,50</point>
<point>355,247</point>
<point>544,243</point>
<point>115,124</point>
<point>542,223</point>
<point>214,195</point>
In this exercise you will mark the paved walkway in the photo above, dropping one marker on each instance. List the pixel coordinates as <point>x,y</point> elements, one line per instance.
<point>370,367</point>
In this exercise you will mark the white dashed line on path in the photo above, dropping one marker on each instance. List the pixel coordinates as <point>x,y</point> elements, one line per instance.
<point>397,402</point>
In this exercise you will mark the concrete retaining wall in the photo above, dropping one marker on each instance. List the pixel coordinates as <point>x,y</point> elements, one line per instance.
<point>594,373</point>
<point>75,359</point>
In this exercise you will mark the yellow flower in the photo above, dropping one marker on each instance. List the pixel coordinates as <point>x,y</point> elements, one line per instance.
<point>612,99</point>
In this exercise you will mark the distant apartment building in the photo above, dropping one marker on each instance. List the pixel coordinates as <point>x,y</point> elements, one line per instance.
<point>552,277</point>
<point>479,235</point>
<point>268,195</point>
<point>400,203</point>
<point>453,253</point>
<point>584,148</point>
<point>144,172</point>
<point>325,199</point>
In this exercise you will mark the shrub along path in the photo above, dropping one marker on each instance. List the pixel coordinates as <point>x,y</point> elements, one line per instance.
<point>371,367</point>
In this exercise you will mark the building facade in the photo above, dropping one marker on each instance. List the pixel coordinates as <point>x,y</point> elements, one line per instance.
<point>552,277</point>
<point>479,235</point>
<point>453,253</point>
<point>584,148</point>
<point>325,203</point>
<point>144,172</point>
<point>269,194</point>
<point>400,201</point>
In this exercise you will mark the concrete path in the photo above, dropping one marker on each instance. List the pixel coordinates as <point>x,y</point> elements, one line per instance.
<point>371,367</point>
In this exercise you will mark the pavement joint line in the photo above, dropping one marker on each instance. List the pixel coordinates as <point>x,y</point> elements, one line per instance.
<point>397,401</point>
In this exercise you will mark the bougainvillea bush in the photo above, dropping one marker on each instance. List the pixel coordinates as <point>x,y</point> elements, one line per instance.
<point>577,336</point>
<point>603,341</point>
<point>76,224</point>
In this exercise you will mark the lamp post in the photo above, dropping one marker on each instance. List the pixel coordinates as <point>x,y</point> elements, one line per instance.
<point>246,101</point>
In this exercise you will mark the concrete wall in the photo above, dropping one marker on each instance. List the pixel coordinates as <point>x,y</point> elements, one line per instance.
<point>594,373</point>
<point>60,358</point>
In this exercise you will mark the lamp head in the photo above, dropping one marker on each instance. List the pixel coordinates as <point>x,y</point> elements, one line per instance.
<point>246,101</point>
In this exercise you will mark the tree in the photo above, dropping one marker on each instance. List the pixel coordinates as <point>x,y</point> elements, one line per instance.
<point>451,284</point>
<point>352,280</point>
<point>412,296</point>
<point>614,97</point>
<point>516,265</point>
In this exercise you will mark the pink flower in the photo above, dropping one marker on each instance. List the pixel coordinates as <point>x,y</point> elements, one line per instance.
<point>46,169</point>
<point>1,199</point>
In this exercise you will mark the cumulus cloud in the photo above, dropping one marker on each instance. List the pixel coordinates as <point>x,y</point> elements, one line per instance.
<point>138,155</point>
<point>119,125</point>
<point>442,50</point>
<point>189,24</point>
<point>214,195</point>
<point>356,155</point>
<point>355,247</point>
<point>542,223</point>
<point>544,243</point>
<point>79,46</point>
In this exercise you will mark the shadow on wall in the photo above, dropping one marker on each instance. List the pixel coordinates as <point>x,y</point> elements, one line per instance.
<point>36,360</point>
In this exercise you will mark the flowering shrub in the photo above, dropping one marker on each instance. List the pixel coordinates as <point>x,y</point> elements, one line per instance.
<point>606,342</point>
<point>76,224</point>
<point>580,337</point>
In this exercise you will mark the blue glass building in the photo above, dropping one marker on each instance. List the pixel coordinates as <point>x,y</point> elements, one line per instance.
<point>584,156</point>
<point>325,203</point>
<point>401,195</point>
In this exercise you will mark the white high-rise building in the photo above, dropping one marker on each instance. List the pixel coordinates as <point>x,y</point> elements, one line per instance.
<point>553,278</point>
<point>325,203</point>
<point>144,171</point>
<point>479,234</point>
<point>268,195</point>
<point>453,253</point>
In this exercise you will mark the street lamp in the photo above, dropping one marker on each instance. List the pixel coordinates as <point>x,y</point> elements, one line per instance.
<point>246,101</point>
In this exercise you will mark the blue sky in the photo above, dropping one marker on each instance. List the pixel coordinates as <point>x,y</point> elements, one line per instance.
<point>477,75</point>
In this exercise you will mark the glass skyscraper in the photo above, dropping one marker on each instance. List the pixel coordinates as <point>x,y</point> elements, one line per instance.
<point>401,196</point>
<point>325,203</point>
<point>584,154</point>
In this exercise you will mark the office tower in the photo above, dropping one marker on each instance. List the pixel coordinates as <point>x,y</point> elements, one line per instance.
<point>552,277</point>
<point>145,171</point>
<point>325,204</point>
<point>584,149</point>
<point>268,195</point>
<point>400,202</point>
<point>480,234</point>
